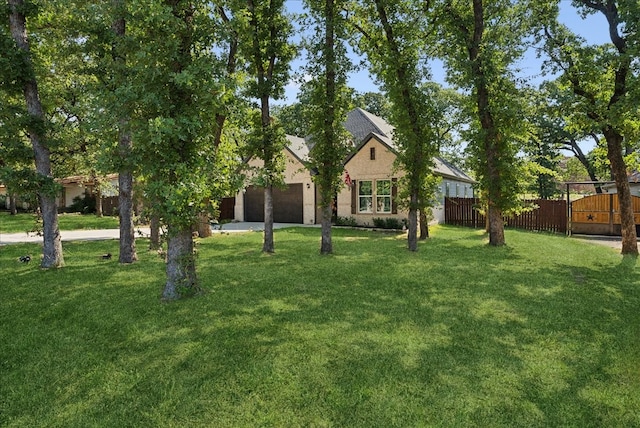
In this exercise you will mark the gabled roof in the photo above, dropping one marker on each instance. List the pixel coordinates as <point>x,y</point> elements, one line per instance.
<point>84,179</point>
<point>298,148</point>
<point>364,126</point>
<point>360,123</point>
<point>633,177</point>
<point>448,170</point>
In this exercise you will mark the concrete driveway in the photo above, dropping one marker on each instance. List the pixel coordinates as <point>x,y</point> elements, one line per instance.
<point>141,232</point>
<point>608,241</point>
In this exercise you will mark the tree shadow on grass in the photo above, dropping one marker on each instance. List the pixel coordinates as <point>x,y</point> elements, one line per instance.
<point>363,339</point>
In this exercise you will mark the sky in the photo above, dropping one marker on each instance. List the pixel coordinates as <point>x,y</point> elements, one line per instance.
<point>593,29</point>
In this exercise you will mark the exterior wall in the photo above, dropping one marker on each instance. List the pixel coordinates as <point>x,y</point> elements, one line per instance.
<point>71,191</point>
<point>294,172</point>
<point>633,187</point>
<point>361,167</point>
<point>4,198</point>
<point>75,189</point>
<point>450,188</point>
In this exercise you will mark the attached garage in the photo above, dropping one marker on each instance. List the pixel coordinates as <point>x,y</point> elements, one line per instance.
<point>287,204</point>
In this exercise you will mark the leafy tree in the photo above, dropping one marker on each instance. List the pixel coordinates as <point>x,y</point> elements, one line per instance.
<point>481,42</point>
<point>328,106</point>
<point>292,118</point>
<point>177,92</point>
<point>393,34</point>
<point>16,152</point>
<point>263,43</point>
<point>559,124</point>
<point>572,170</point>
<point>35,124</point>
<point>373,102</point>
<point>600,79</point>
<point>126,168</point>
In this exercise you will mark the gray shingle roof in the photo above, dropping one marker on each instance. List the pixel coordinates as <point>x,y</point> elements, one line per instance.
<point>298,146</point>
<point>364,125</point>
<point>360,123</point>
<point>445,169</point>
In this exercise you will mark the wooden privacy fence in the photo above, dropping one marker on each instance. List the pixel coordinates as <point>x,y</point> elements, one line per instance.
<point>600,214</point>
<point>549,216</point>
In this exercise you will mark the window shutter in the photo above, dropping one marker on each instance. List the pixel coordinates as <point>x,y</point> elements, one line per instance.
<point>394,196</point>
<point>354,196</point>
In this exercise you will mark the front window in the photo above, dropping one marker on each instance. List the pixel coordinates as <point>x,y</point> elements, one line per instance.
<point>383,196</point>
<point>365,196</point>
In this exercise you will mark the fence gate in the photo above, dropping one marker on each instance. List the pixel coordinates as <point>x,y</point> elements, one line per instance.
<point>600,214</point>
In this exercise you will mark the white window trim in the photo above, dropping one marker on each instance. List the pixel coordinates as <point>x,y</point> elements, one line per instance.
<point>371,196</point>
<point>389,196</point>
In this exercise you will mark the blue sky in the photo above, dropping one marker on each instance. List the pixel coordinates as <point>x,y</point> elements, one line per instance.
<point>593,29</point>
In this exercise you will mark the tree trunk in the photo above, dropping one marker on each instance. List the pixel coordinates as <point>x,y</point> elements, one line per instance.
<point>591,170</point>
<point>326,245</point>
<point>268,245</point>
<point>181,266</point>
<point>52,243</point>
<point>125,214</point>
<point>98,201</point>
<point>154,227</point>
<point>496,226</point>
<point>418,169</point>
<point>491,136</point>
<point>204,227</point>
<point>125,175</point>
<point>13,205</point>
<point>424,225</point>
<point>619,170</point>
<point>412,232</point>
<point>52,246</point>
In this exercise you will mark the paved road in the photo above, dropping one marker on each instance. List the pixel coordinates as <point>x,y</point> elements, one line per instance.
<point>102,234</point>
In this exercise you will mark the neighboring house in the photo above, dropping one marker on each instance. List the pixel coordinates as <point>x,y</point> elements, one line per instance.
<point>634,185</point>
<point>79,186</point>
<point>295,203</point>
<point>72,187</point>
<point>369,169</point>
<point>3,195</point>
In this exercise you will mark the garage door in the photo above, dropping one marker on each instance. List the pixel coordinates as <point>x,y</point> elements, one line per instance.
<point>287,204</point>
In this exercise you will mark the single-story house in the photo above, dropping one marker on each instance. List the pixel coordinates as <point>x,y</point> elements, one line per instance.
<point>72,187</point>
<point>370,180</point>
<point>80,185</point>
<point>634,185</point>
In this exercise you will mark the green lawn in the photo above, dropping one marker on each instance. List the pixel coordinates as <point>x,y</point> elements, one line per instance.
<point>27,222</point>
<point>542,333</point>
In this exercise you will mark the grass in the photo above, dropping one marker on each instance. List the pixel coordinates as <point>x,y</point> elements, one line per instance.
<point>27,222</point>
<point>543,332</point>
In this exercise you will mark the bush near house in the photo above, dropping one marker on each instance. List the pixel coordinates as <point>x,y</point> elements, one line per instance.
<point>83,205</point>
<point>345,221</point>
<point>389,223</point>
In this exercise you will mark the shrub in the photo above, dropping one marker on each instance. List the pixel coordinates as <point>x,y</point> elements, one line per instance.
<point>388,223</point>
<point>84,205</point>
<point>345,221</point>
